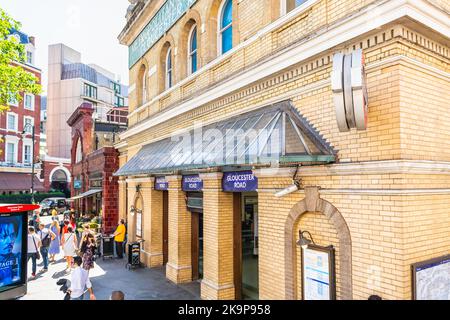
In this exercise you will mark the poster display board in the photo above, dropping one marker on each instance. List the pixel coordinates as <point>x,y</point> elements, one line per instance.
<point>431,279</point>
<point>139,223</point>
<point>13,250</point>
<point>318,273</point>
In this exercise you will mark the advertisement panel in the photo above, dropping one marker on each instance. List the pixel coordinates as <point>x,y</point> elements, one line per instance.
<point>318,273</point>
<point>431,279</point>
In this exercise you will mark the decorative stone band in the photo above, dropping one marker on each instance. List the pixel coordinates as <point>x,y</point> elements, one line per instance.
<point>217,287</point>
<point>373,192</point>
<point>157,254</point>
<point>173,266</point>
<point>378,167</point>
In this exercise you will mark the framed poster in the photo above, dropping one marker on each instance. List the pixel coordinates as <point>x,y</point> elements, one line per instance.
<point>318,273</point>
<point>431,279</point>
<point>139,223</point>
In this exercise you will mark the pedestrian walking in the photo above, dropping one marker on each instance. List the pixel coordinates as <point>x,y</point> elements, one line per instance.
<point>33,243</point>
<point>35,220</point>
<point>69,245</point>
<point>87,250</point>
<point>80,282</point>
<point>54,245</point>
<point>54,213</point>
<point>119,238</point>
<point>45,236</point>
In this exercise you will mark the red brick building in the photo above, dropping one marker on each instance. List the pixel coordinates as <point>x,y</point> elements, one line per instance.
<point>18,152</point>
<point>94,160</point>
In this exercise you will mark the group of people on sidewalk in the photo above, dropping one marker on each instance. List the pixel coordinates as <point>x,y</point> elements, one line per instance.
<point>46,243</point>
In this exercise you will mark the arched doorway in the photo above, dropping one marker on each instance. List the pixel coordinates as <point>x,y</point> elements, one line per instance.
<point>304,212</point>
<point>59,181</point>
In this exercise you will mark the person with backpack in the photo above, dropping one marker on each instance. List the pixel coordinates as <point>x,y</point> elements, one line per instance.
<point>33,244</point>
<point>45,236</point>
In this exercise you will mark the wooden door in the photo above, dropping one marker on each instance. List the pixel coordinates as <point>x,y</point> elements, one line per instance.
<point>237,244</point>
<point>195,244</point>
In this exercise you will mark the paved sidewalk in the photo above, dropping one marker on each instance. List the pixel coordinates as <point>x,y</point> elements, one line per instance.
<point>110,275</point>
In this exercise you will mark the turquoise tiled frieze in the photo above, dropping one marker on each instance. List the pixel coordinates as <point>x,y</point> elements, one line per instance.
<point>164,19</point>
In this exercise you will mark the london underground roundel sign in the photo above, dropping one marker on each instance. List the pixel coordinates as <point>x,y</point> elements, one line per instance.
<point>349,85</point>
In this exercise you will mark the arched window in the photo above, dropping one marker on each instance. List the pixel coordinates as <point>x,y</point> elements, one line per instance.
<point>192,50</point>
<point>79,154</point>
<point>141,85</point>
<point>144,87</point>
<point>226,27</point>
<point>169,67</point>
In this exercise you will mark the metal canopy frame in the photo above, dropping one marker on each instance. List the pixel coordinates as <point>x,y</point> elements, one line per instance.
<point>158,158</point>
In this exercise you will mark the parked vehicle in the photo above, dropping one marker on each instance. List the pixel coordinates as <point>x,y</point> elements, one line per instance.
<point>60,204</point>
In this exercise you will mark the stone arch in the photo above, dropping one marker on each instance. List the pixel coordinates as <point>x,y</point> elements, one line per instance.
<point>77,140</point>
<point>192,18</point>
<point>60,168</point>
<point>168,42</point>
<point>138,204</point>
<point>313,203</point>
<point>142,84</point>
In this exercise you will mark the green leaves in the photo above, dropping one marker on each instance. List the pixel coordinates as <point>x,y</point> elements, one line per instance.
<point>13,78</point>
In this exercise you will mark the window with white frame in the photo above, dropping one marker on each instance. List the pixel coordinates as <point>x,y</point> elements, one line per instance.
<point>169,70</point>
<point>29,101</point>
<point>226,27</point>
<point>11,123</point>
<point>11,152</point>
<point>28,123</point>
<point>289,5</point>
<point>29,57</point>
<point>12,101</point>
<point>192,50</point>
<point>27,153</point>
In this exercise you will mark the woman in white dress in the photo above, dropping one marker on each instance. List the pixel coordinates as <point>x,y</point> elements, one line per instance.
<point>69,245</point>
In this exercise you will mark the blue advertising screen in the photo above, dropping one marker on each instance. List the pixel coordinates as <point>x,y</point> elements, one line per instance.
<point>12,250</point>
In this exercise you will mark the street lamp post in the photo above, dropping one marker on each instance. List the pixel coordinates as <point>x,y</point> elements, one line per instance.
<point>24,132</point>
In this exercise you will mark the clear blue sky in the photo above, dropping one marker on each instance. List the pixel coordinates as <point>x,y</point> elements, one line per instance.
<point>88,26</point>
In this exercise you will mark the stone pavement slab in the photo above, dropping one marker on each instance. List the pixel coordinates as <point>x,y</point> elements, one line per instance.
<point>109,275</point>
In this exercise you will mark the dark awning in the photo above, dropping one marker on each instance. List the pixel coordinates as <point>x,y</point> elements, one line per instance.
<point>14,181</point>
<point>86,194</point>
<point>277,134</point>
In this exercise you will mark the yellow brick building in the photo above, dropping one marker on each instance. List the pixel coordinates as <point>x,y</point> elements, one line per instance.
<point>379,196</point>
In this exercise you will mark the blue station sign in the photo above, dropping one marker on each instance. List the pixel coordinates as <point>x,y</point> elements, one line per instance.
<point>192,183</point>
<point>242,181</point>
<point>161,184</point>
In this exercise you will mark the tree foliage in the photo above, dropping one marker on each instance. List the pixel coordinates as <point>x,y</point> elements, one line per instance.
<point>13,78</point>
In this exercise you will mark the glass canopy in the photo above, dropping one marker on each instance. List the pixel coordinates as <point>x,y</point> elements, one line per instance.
<point>273,135</point>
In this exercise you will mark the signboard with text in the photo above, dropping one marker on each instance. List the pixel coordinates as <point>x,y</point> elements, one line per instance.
<point>192,183</point>
<point>242,181</point>
<point>161,184</point>
<point>318,273</point>
<point>77,184</point>
<point>431,279</point>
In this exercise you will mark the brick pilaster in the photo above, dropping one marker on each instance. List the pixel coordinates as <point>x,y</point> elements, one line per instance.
<point>218,279</point>
<point>179,266</point>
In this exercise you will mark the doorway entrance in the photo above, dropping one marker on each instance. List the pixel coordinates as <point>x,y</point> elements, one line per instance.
<point>195,206</point>
<point>246,245</point>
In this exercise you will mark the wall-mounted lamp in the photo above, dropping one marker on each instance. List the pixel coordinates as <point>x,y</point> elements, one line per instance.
<point>303,241</point>
<point>132,211</point>
<point>138,188</point>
